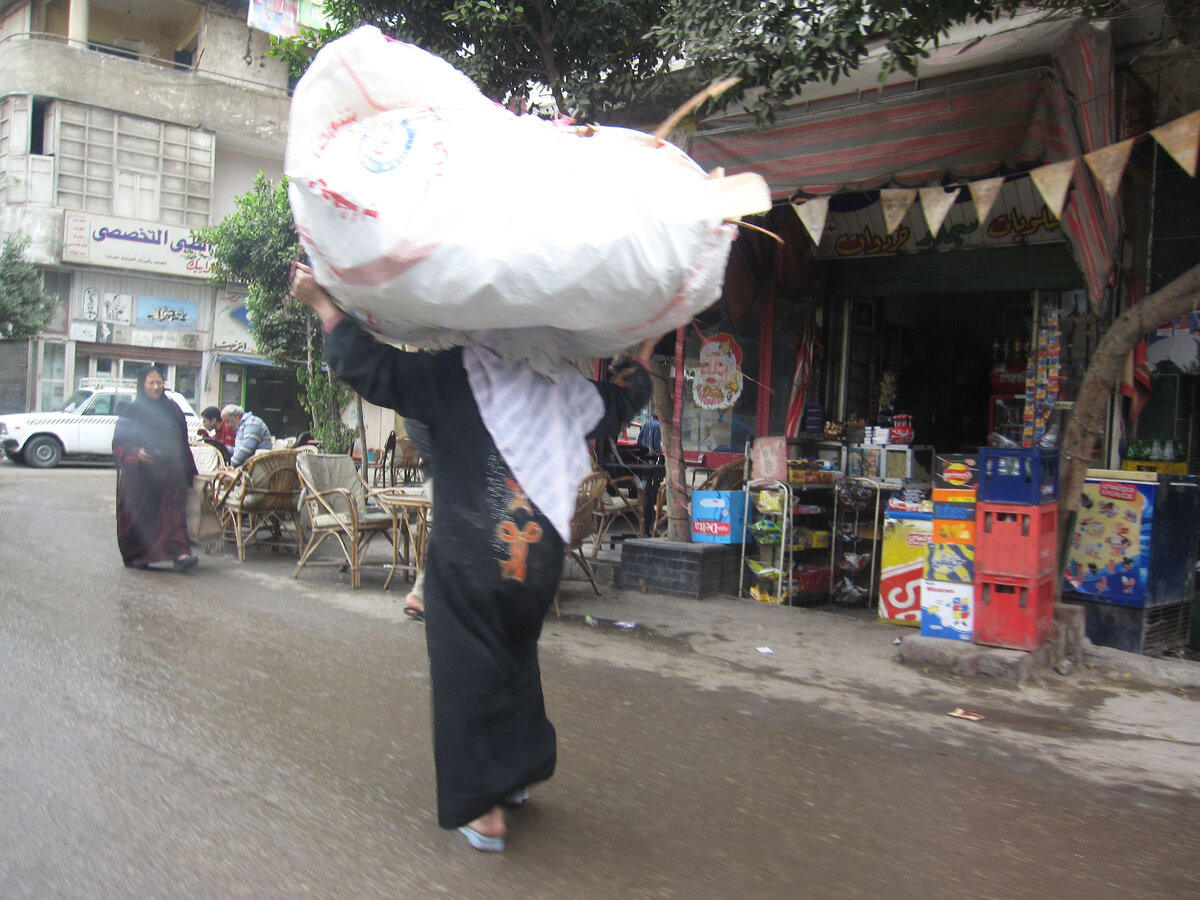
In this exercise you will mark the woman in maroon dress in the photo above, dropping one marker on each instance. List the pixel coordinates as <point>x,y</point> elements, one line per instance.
<point>154,472</point>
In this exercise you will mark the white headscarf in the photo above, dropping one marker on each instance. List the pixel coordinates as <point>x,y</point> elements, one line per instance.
<point>540,424</point>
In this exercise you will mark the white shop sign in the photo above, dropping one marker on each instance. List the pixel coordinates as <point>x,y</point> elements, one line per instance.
<point>102,240</point>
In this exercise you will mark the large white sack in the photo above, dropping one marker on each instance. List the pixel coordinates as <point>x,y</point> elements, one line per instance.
<point>440,218</point>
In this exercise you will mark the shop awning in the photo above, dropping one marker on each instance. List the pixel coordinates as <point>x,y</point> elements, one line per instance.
<point>237,359</point>
<point>241,359</point>
<point>1032,92</point>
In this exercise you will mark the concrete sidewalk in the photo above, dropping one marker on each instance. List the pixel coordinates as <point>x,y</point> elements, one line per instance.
<point>829,642</point>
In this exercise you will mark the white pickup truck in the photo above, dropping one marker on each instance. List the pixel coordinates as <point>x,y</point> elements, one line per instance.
<point>82,427</point>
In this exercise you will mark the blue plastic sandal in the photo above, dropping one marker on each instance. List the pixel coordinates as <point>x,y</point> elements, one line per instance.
<point>482,841</point>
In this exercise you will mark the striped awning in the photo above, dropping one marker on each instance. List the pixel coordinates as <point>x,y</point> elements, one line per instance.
<point>994,104</point>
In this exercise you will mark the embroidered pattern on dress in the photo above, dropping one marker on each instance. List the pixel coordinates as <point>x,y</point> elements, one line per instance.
<point>518,540</point>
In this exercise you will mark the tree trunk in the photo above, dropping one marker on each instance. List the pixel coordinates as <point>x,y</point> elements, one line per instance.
<point>668,402</point>
<point>362,436</point>
<point>1086,424</point>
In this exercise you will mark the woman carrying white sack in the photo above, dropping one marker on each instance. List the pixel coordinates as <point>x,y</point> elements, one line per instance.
<point>509,452</point>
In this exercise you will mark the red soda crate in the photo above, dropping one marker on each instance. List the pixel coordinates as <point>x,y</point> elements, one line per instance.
<point>1016,613</point>
<point>1016,540</point>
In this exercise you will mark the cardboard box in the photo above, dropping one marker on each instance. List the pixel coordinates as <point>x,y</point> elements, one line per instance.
<point>956,471</point>
<point>954,531</point>
<point>718,517</point>
<point>809,539</point>
<point>947,610</point>
<point>954,495</point>
<point>902,566</point>
<point>954,563</point>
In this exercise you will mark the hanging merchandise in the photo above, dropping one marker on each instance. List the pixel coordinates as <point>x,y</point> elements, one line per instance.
<point>1042,384</point>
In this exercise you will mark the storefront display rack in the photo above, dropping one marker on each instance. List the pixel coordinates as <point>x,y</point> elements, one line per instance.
<point>793,527</point>
<point>855,554</point>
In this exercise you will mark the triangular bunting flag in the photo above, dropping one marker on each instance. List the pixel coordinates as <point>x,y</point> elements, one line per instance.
<point>984,193</point>
<point>1108,164</point>
<point>1052,182</point>
<point>896,202</point>
<point>1181,139</point>
<point>813,213</point>
<point>935,203</point>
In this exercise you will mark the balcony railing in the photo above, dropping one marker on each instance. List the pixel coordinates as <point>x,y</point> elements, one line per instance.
<point>189,66</point>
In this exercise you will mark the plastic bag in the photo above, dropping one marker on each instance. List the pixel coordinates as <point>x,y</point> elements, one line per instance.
<point>440,218</point>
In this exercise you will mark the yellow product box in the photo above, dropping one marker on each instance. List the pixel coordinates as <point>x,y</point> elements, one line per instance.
<point>809,539</point>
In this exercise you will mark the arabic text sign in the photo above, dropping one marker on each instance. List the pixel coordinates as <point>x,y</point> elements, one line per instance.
<point>1018,217</point>
<point>133,244</point>
<point>161,313</point>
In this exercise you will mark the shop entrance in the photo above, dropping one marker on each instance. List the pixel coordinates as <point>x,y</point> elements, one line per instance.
<point>268,392</point>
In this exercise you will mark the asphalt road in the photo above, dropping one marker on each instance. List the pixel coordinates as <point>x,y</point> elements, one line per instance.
<point>234,733</point>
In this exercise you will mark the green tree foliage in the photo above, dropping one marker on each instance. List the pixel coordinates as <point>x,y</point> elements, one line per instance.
<point>602,59</point>
<point>25,307</point>
<point>255,246</point>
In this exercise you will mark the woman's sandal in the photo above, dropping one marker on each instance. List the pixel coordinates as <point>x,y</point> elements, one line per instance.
<point>516,798</point>
<point>483,842</point>
<point>417,615</point>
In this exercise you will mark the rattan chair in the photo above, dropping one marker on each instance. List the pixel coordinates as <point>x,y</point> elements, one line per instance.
<point>335,497</point>
<point>408,462</point>
<point>258,502</point>
<point>385,464</point>
<point>620,501</point>
<point>728,477</point>
<point>583,523</point>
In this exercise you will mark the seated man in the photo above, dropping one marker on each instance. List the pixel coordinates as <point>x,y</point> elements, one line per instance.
<point>252,433</point>
<point>215,428</point>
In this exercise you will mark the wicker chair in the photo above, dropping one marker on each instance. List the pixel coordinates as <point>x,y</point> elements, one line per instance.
<point>261,495</point>
<point>583,523</point>
<point>407,462</point>
<point>335,501</point>
<point>621,500</point>
<point>728,477</point>
<point>385,464</point>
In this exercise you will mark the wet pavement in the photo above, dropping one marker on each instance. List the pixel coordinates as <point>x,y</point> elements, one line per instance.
<point>233,732</point>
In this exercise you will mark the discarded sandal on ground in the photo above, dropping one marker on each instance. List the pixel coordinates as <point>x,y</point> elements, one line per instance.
<point>186,562</point>
<point>413,613</point>
<point>516,798</point>
<point>483,842</point>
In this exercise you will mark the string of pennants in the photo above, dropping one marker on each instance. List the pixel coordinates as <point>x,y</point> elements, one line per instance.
<point>1180,138</point>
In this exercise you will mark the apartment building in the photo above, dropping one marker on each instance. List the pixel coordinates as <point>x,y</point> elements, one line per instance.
<point>123,125</point>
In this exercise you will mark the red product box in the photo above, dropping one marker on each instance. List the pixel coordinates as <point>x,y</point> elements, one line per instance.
<point>1016,540</point>
<point>810,579</point>
<point>1016,613</point>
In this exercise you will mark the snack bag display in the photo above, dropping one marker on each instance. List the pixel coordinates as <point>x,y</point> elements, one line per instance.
<point>439,218</point>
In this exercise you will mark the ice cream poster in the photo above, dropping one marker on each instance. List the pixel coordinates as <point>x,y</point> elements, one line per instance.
<point>1109,554</point>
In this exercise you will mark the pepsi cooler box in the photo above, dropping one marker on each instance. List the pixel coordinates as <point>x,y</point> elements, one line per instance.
<point>1027,475</point>
<point>718,517</point>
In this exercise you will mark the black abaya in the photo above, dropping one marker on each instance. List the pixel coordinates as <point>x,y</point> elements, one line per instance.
<point>152,494</point>
<point>493,565</point>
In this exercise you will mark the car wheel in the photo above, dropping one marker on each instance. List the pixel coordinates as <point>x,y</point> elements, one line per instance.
<point>42,452</point>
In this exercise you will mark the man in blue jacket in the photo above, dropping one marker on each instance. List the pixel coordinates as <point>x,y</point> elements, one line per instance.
<point>252,433</point>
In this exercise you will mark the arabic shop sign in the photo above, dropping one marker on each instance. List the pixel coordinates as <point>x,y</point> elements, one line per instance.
<point>133,244</point>
<point>857,230</point>
<point>174,315</point>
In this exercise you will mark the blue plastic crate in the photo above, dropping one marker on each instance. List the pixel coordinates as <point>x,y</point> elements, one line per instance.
<point>1026,475</point>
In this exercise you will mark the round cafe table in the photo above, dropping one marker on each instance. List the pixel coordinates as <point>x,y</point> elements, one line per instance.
<point>411,512</point>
